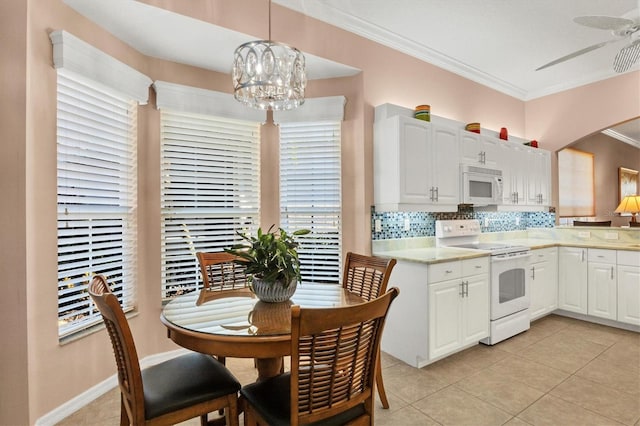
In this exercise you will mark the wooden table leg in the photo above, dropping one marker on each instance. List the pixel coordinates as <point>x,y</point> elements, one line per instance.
<point>268,367</point>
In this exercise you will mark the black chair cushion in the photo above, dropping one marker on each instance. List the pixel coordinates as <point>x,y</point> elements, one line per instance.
<point>272,400</point>
<point>184,381</point>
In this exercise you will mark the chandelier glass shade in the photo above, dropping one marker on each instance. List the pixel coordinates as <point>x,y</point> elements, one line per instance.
<point>269,75</point>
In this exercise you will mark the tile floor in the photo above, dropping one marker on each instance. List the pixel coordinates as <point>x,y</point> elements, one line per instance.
<point>560,372</point>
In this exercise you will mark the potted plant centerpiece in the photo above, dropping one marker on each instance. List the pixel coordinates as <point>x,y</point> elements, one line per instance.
<point>271,262</point>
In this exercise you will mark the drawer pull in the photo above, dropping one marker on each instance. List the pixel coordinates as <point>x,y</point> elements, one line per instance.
<point>448,271</point>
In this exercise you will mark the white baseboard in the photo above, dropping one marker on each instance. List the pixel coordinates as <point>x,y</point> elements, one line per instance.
<point>65,410</point>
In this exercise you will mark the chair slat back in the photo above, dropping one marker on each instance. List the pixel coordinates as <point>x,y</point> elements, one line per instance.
<point>333,361</point>
<point>367,276</point>
<point>220,272</point>
<point>129,375</point>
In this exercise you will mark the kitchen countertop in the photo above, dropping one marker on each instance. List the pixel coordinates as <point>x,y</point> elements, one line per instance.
<point>431,255</point>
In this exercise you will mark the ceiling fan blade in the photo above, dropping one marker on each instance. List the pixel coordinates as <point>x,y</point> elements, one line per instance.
<point>603,22</point>
<point>627,56</point>
<point>577,53</point>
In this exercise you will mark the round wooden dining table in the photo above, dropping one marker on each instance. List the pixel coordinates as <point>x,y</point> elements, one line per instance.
<point>241,326</point>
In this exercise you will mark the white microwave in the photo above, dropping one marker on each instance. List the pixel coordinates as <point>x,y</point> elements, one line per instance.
<point>480,186</point>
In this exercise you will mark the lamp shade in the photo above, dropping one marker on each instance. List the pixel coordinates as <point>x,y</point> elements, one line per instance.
<point>630,204</point>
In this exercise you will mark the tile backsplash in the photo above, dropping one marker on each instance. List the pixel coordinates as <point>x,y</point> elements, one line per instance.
<point>420,224</point>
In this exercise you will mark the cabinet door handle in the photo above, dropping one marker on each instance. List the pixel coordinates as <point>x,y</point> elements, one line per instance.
<point>582,256</point>
<point>612,272</point>
<point>437,194</point>
<point>431,194</point>
<point>466,286</point>
<point>461,289</point>
<point>533,272</point>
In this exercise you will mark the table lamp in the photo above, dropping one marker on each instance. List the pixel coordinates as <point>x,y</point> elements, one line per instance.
<point>630,204</point>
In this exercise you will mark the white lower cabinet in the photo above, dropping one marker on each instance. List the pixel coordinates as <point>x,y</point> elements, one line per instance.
<point>543,286</point>
<point>629,287</point>
<point>602,284</point>
<point>458,308</point>
<point>444,308</point>
<point>572,279</point>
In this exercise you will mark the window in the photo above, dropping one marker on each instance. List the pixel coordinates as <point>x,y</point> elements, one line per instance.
<point>576,183</point>
<point>210,170</point>
<point>97,99</point>
<point>310,195</point>
<point>96,198</point>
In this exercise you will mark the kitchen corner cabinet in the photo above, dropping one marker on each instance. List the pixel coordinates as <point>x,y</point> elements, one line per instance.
<point>415,165</point>
<point>572,279</point>
<point>628,263</point>
<point>602,284</point>
<point>458,307</point>
<point>543,271</point>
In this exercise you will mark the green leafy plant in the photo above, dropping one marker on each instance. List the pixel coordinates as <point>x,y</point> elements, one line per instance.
<point>270,256</point>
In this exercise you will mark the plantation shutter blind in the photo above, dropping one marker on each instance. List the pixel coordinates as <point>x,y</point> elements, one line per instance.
<point>96,198</point>
<point>576,183</point>
<point>310,195</point>
<point>210,190</point>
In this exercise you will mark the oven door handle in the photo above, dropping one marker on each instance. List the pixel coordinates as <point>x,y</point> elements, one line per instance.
<point>503,258</point>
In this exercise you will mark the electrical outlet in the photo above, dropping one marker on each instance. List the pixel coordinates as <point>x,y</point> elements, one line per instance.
<point>407,224</point>
<point>584,234</point>
<point>610,235</point>
<point>486,222</point>
<point>518,221</point>
<point>377,225</point>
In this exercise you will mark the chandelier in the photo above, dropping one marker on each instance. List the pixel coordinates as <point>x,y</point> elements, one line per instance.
<point>269,75</point>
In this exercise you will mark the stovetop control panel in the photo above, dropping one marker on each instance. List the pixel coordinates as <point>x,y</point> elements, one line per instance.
<point>457,228</point>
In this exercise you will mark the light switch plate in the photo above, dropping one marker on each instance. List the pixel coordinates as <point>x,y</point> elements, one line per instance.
<point>407,224</point>
<point>377,225</point>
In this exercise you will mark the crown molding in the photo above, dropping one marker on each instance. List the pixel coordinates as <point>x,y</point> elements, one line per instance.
<point>622,138</point>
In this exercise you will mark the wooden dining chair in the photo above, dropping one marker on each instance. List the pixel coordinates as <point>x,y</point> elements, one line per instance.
<point>221,277</point>
<point>221,273</point>
<point>368,277</point>
<point>173,391</point>
<point>333,363</point>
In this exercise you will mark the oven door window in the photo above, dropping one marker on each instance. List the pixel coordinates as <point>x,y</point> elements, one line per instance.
<point>511,285</point>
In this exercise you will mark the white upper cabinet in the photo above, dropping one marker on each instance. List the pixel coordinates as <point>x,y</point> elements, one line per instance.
<point>526,176</point>
<point>479,150</point>
<point>415,165</point>
<point>515,169</point>
<point>539,179</point>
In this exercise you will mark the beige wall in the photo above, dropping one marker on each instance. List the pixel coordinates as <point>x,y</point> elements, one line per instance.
<point>14,392</point>
<point>608,155</point>
<point>28,264</point>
